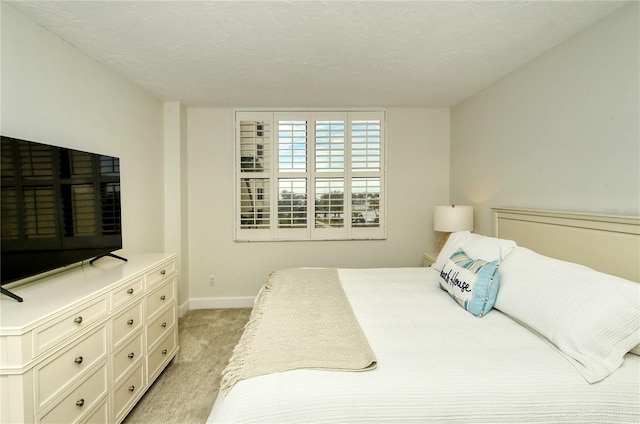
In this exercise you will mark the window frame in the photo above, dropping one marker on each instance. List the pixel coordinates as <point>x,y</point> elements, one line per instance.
<point>270,145</point>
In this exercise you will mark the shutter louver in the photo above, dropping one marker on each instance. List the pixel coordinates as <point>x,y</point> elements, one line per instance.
<point>255,146</point>
<point>329,139</point>
<point>292,203</point>
<point>254,203</point>
<point>365,145</point>
<point>255,158</point>
<point>365,202</point>
<point>292,146</point>
<point>329,207</point>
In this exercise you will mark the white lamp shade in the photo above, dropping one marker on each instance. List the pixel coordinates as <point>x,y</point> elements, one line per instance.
<point>452,218</point>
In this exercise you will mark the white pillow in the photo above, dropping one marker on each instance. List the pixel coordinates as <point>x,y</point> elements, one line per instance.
<point>592,318</point>
<point>475,246</point>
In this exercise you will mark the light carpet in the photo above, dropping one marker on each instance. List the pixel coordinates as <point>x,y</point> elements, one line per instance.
<point>186,390</point>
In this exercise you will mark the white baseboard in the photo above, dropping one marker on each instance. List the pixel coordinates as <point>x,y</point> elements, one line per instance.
<point>215,303</point>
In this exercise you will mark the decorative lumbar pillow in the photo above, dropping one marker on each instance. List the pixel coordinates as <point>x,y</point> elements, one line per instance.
<point>476,246</point>
<point>591,318</point>
<point>472,283</point>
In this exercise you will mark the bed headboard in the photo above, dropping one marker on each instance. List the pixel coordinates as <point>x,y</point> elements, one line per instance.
<point>607,243</point>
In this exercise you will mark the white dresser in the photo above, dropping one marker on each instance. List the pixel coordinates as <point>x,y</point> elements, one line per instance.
<point>87,343</point>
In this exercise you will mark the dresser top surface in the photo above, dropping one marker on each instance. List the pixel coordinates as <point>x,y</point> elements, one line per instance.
<point>69,289</point>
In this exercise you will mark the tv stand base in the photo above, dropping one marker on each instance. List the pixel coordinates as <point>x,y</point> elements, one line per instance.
<point>107,254</point>
<point>8,293</point>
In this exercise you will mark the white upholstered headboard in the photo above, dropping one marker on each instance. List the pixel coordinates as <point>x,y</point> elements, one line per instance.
<point>607,243</point>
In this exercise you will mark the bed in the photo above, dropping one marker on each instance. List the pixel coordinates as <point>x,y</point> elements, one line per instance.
<point>551,346</point>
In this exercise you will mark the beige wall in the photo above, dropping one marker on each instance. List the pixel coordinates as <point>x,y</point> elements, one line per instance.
<point>54,94</point>
<point>417,179</point>
<point>176,204</point>
<point>561,133</point>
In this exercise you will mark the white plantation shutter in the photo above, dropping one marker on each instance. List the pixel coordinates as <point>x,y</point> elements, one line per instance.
<point>254,203</point>
<point>255,146</point>
<point>366,142</point>
<point>329,202</point>
<point>292,203</point>
<point>366,164</point>
<point>310,175</point>
<point>292,145</point>
<point>254,158</point>
<point>330,147</point>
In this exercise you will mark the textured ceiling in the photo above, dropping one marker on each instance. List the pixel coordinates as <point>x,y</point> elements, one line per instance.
<point>314,53</point>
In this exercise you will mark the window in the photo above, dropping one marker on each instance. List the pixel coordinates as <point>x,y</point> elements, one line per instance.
<point>310,175</point>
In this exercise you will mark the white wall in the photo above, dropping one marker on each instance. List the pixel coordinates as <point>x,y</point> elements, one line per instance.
<point>417,179</point>
<point>52,93</point>
<point>176,205</point>
<point>561,133</point>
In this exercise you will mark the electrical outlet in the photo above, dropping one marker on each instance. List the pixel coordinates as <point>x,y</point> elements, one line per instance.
<point>212,280</point>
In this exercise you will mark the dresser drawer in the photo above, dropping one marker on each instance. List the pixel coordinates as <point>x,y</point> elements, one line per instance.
<point>128,392</point>
<point>160,272</point>
<point>161,355</point>
<point>161,296</point>
<point>126,323</point>
<point>127,357</point>
<point>48,335</point>
<point>53,376</point>
<point>73,407</point>
<point>99,416</point>
<point>126,292</point>
<point>160,326</point>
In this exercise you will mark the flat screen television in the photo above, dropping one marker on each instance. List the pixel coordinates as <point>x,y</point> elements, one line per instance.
<point>59,206</point>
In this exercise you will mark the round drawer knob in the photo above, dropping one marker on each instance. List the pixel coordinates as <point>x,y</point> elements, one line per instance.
<point>78,320</point>
<point>130,291</point>
<point>164,351</point>
<point>130,322</point>
<point>163,325</point>
<point>132,388</point>
<point>78,360</point>
<point>131,355</point>
<point>163,272</point>
<point>163,297</point>
<point>80,402</point>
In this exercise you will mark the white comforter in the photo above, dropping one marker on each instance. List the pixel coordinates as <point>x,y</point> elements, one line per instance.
<point>437,363</point>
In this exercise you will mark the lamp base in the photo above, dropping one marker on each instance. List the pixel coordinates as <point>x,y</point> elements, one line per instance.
<point>443,239</point>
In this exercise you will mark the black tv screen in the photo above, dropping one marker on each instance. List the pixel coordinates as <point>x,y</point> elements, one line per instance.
<point>59,206</point>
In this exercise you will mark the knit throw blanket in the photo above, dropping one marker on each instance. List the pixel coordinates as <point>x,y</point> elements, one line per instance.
<point>301,319</point>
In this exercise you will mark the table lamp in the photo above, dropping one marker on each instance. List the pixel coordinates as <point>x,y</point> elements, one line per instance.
<point>452,218</point>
